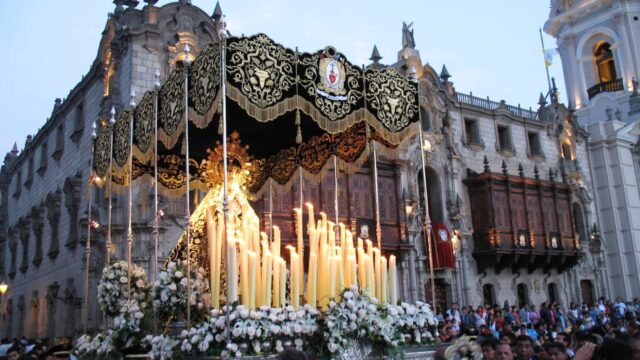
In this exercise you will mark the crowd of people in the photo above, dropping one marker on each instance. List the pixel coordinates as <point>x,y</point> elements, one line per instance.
<point>604,330</point>
<point>23,349</point>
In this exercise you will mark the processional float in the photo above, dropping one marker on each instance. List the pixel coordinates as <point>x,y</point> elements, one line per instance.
<point>244,116</point>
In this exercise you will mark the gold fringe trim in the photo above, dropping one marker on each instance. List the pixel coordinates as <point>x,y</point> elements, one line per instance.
<point>202,121</point>
<point>328,125</point>
<point>169,141</point>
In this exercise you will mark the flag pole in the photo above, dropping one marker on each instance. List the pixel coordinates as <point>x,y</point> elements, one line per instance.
<point>544,55</point>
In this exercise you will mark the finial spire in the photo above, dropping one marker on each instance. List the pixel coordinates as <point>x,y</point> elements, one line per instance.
<point>486,164</point>
<point>217,12</point>
<point>375,55</point>
<point>504,168</point>
<point>444,74</point>
<point>542,101</point>
<point>15,148</point>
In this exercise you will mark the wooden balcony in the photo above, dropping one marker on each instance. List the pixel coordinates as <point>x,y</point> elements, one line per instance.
<point>607,86</point>
<point>522,223</point>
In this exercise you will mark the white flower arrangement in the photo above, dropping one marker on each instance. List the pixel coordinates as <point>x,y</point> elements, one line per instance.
<point>114,286</point>
<point>171,291</point>
<point>413,322</point>
<point>258,331</point>
<point>97,347</point>
<point>161,346</point>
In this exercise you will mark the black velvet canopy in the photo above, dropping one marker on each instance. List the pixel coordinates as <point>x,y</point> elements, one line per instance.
<point>288,109</point>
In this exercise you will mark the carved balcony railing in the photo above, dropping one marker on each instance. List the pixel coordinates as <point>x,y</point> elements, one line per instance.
<point>494,105</point>
<point>607,86</point>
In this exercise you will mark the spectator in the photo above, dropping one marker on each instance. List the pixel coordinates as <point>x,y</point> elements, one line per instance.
<point>634,343</point>
<point>13,353</point>
<point>534,316</point>
<point>504,352</point>
<point>565,339</point>
<point>524,348</point>
<point>556,351</point>
<point>489,349</point>
<point>614,349</point>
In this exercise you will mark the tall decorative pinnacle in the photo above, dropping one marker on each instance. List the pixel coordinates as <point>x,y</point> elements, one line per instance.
<point>187,55</point>
<point>536,172</point>
<point>551,176</point>
<point>542,101</point>
<point>217,12</point>
<point>156,79</point>
<point>486,164</point>
<point>504,168</point>
<point>112,120</point>
<point>444,74</point>
<point>94,133</point>
<point>375,55</point>
<point>14,151</point>
<point>132,98</point>
<point>520,170</point>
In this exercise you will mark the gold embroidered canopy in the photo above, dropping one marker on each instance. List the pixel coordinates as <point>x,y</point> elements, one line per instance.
<point>290,109</point>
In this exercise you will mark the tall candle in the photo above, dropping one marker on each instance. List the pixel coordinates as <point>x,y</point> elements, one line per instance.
<point>393,290</point>
<point>276,238</point>
<point>383,280</point>
<point>283,281</point>
<point>253,266</point>
<point>312,220</point>
<point>354,276</point>
<point>276,280</point>
<point>244,272</point>
<point>266,271</point>
<point>312,280</point>
<point>332,277</point>
<point>212,242</point>
<point>233,275</point>
<point>377,271</point>
<point>371,285</point>
<point>293,281</point>
<point>362,270</point>
<point>300,249</point>
<point>323,218</point>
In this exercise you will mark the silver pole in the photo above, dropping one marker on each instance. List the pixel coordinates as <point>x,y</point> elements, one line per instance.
<point>112,122</point>
<point>271,209</point>
<point>132,104</point>
<point>427,219</point>
<point>156,219</point>
<point>335,199</point>
<point>87,250</point>
<point>225,185</point>
<point>374,155</point>
<point>186,63</point>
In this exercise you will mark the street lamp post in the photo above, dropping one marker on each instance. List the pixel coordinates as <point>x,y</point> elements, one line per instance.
<point>3,289</point>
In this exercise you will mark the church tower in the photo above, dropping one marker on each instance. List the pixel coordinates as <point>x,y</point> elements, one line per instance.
<point>599,43</point>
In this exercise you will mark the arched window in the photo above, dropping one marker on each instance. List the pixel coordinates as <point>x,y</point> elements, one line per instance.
<point>488,294</point>
<point>605,64</point>
<point>523,294</point>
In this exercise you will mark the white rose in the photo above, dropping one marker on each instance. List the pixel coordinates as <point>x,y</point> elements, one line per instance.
<point>179,274</point>
<point>124,280</point>
<point>173,287</point>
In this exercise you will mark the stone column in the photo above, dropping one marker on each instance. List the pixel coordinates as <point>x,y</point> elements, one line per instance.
<point>25,232</point>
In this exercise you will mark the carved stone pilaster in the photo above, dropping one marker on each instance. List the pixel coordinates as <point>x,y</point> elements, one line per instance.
<point>72,187</point>
<point>70,300</point>
<point>51,297</point>
<point>34,308</point>
<point>37,223</point>
<point>13,248</point>
<point>21,320</point>
<point>54,200</point>
<point>25,234</point>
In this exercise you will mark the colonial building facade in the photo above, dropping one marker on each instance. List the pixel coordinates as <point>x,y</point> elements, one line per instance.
<point>510,191</point>
<point>599,44</point>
